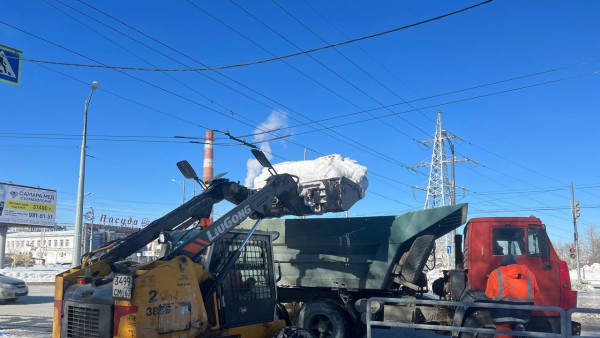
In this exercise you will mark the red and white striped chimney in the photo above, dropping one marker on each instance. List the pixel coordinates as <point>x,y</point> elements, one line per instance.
<point>208,167</point>
<point>208,156</point>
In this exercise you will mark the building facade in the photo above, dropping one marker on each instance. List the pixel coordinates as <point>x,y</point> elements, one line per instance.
<point>46,247</point>
<point>53,246</point>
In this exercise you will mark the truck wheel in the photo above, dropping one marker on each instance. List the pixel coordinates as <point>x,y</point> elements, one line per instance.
<point>323,319</point>
<point>478,319</point>
<point>293,332</point>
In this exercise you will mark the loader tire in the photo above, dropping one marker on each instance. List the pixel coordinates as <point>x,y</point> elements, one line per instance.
<point>293,332</point>
<point>324,320</point>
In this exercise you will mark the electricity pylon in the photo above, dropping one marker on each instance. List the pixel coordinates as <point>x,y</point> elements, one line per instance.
<point>441,187</point>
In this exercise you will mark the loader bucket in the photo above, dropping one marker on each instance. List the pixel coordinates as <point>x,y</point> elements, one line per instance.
<point>330,195</point>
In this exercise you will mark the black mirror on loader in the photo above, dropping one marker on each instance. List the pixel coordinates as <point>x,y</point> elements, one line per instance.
<point>262,159</point>
<point>186,170</point>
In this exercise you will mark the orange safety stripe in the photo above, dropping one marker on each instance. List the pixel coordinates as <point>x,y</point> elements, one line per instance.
<point>193,247</point>
<point>201,241</point>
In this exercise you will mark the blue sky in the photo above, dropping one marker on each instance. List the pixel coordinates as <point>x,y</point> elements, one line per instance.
<point>530,136</point>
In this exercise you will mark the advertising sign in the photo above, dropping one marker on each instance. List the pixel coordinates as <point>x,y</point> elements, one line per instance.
<point>21,205</point>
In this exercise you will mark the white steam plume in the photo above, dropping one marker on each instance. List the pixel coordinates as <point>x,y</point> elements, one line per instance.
<point>274,121</point>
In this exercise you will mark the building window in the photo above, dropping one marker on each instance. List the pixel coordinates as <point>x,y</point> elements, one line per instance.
<point>49,243</point>
<point>62,243</point>
<point>67,243</point>
<point>56,242</point>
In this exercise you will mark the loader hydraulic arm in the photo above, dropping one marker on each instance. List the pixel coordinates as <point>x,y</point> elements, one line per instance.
<point>259,204</point>
<point>198,207</point>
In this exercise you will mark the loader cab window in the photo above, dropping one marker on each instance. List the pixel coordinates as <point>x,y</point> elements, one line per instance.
<point>508,240</point>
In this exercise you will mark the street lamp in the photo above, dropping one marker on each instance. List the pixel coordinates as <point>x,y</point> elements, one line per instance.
<point>79,211</point>
<point>183,194</point>
<point>90,217</point>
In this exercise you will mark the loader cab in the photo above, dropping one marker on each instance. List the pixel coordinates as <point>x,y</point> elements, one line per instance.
<point>248,294</point>
<point>488,240</point>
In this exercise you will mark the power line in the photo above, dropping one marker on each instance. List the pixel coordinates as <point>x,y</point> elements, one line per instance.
<point>357,145</point>
<point>455,92</point>
<point>447,103</point>
<point>231,79</point>
<point>269,59</point>
<point>121,96</point>
<point>344,79</point>
<point>317,82</point>
<point>388,71</point>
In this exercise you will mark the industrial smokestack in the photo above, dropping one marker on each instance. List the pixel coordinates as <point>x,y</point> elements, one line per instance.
<point>208,172</point>
<point>208,156</point>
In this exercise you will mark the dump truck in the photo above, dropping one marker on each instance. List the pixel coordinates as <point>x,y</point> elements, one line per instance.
<point>210,281</point>
<point>329,267</point>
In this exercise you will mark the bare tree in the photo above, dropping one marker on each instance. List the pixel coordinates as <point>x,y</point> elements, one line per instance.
<point>563,252</point>
<point>590,246</point>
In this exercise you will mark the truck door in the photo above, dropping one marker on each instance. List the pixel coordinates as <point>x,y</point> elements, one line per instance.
<point>541,261</point>
<point>531,248</point>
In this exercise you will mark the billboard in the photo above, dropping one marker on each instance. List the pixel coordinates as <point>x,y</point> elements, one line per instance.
<point>21,205</point>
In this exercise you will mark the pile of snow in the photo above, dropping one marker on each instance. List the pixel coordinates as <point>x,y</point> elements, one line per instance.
<point>35,274</point>
<point>329,166</point>
<point>588,272</point>
<point>590,276</point>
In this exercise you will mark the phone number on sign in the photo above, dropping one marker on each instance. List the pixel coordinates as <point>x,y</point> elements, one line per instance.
<point>40,215</point>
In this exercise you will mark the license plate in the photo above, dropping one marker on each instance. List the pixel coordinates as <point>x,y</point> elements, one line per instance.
<point>122,286</point>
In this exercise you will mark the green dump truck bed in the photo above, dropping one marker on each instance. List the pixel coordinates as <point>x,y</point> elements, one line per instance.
<point>357,252</point>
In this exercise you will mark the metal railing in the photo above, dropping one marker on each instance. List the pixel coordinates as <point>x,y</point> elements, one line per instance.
<point>579,310</point>
<point>565,328</point>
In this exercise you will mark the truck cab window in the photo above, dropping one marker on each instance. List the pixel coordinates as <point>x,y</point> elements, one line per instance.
<point>508,240</point>
<point>533,242</point>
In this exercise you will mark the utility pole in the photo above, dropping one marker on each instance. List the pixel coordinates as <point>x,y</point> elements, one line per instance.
<point>575,214</point>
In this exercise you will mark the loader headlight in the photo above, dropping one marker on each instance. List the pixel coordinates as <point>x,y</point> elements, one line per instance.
<point>7,286</point>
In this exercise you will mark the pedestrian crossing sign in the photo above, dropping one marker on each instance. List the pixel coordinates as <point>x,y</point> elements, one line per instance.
<point>10,65</point>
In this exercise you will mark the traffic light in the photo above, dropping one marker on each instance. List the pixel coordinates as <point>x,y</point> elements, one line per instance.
<point>576,209</point>
<point>572,253</point>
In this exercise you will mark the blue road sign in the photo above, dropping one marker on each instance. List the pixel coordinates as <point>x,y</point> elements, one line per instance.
<point>449,248</point>
<point>10,65</point>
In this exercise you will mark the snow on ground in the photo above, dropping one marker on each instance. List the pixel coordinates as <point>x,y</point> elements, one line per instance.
<point>35,274</point>
<point>590,276</point>
<point>324,167</point>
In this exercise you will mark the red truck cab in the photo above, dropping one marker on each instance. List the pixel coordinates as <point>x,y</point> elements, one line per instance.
<point>489,239</point>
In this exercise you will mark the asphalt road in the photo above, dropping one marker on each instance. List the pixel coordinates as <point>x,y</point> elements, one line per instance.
<point>31,316</point>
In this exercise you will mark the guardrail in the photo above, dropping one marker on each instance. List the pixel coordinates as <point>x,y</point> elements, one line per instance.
<point>565,327</point>
<point>579,310</point>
